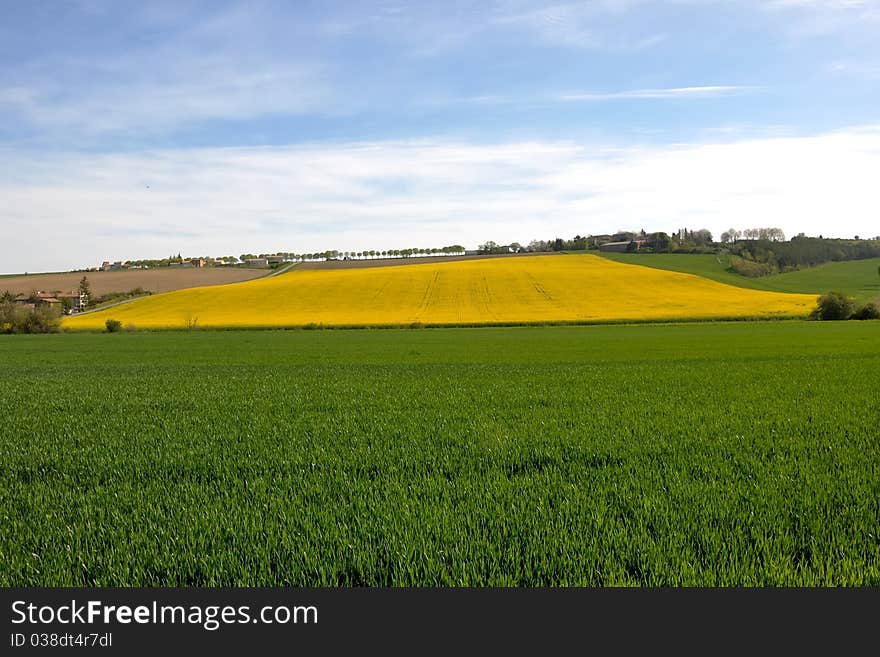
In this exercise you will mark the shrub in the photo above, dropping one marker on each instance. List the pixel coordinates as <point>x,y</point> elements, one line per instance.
<point>749,268</point>
<point>40,321</point>
<point>833,305</point>
<point>113,325</point>
<point>869,311</point>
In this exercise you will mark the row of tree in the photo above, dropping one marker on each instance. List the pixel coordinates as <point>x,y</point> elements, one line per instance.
<point>762,257</point>
<point>333,254</point>
<point>762,234</point>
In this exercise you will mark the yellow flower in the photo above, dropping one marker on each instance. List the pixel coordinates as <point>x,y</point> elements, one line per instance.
<point>542,288</point>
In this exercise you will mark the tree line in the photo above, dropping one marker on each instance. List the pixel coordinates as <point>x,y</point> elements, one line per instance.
<point>754,251</point>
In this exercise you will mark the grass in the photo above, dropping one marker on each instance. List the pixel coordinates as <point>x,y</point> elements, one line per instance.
<point>857,278</point>
<point>532,289</point>
<point>699,454</point>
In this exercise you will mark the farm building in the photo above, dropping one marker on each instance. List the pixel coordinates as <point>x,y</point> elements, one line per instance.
<point>256,262</point>
<point>618,247</point>
<point>623,246</point>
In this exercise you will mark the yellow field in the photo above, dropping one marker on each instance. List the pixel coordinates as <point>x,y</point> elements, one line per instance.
<point>576,288</point>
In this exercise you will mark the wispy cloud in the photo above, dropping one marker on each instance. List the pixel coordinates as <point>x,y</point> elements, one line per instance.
<point>812,18</point>
<point>668,93</point>
<point>213,68</point>
<point>671,93</point>
<point>854,67</point>
<point>579,25</point>
<point>399,194</point>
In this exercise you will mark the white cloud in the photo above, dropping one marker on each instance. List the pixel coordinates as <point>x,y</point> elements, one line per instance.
<point>398,194</point>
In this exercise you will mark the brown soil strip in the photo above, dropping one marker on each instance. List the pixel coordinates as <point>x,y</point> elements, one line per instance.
<point>164,279</point>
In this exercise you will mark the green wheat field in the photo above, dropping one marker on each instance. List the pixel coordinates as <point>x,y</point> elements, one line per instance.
<point>728,454</point>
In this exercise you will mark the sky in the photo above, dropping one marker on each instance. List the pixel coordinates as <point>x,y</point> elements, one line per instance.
<point>132,130</point>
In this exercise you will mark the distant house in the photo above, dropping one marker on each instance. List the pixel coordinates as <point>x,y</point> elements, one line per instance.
<point>198,262</point>
<point>256,262</point>
<point>78,300</point>
<point>113,266</point>
<point>275,259</point>
<point>41,299</point>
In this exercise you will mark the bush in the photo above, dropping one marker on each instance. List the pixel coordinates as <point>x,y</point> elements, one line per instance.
<point>869,311</point>
<point>18,319</point>
<point>834,305</point>
<point>113,325</point>
<point>749,268</point>
<point>41,320</point>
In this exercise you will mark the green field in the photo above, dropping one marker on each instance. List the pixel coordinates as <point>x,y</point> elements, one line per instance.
<point>857,278</point>
<point>699,454</point>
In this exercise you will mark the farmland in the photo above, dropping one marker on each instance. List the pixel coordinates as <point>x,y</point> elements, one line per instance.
<point>857,278</point>
<point>529,289</point>
<point>696,454</point>
<point>163,279</point>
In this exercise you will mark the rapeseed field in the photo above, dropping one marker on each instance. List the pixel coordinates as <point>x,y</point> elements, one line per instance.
<point>533,289</point>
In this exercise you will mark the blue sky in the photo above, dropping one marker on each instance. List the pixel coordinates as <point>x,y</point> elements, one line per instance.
<point>134,130</point>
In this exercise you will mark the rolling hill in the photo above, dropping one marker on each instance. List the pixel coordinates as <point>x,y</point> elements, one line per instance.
<point>535,289</point>
<point>857,278</point>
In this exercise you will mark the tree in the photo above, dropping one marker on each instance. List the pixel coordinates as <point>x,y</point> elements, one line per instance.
<point>85,290</point>
<point>868,311</point>
<point>833,305</point>
<point>113,325</point>
<point>731,235</point>
<point>702,237</point>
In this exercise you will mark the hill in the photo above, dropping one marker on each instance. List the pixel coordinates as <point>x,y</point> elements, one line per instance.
<point>533,289</point>
<point>858,278</point>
